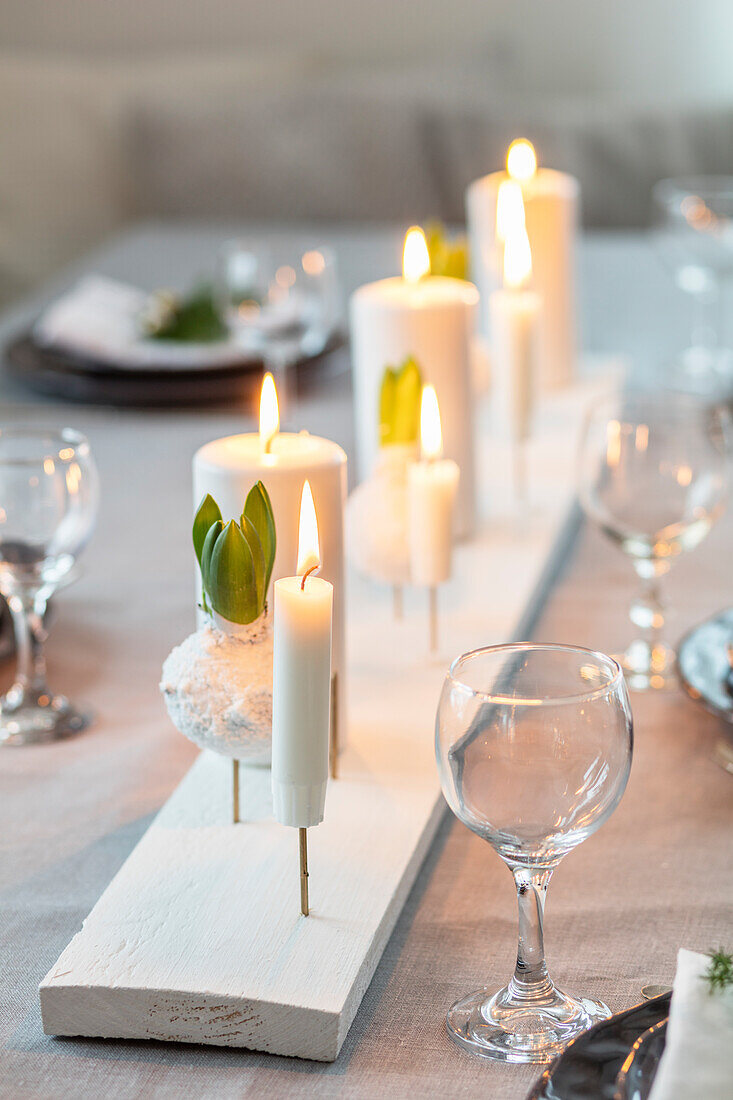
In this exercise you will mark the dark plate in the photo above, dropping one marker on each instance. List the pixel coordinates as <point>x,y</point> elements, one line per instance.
<point>637,1074</point>
<point>702,664</point>
<point>588,1067</point>
<point>58,373</point>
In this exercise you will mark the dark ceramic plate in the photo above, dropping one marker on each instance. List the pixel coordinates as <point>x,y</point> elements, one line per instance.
<point>637,1074</point>
<point>703,665</point>
<point>588,1067</point>
<point>58,373</point>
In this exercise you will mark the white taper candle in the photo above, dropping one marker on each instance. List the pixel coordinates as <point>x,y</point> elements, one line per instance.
<point>301,690</point>
<point>431,492</point>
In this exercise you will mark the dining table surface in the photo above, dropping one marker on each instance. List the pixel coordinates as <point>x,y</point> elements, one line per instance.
<point>656,877</point>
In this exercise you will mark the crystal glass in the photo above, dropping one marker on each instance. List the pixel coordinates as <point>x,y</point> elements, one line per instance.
<point>48,504</point>
<point>279,304</point>
<point>693,219</point>
<point>534,746</point>
<point>652,474</point>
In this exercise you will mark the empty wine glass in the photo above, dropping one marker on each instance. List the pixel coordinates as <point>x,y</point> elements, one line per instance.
<point>48,503</point>
<point>694,235</point>
<point>652,475</point>
<point>279,304</point>
<point>534,746</point>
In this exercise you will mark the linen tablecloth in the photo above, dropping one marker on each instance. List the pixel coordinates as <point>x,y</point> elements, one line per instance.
<point>657,876</point>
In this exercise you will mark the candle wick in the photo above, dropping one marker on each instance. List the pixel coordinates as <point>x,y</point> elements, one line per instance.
<point>306,575</point>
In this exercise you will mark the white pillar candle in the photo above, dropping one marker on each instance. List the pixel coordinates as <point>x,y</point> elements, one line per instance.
<point>551,201</point>
<point>432,484</point>
<point>514,312</point>
<point>228,467</point>
<point>301,685</point>
<point>431,319</point>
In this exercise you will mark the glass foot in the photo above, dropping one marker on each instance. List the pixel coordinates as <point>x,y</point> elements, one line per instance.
<point>35,721</point>
<point>498,1027</point>
<point>649,668</point>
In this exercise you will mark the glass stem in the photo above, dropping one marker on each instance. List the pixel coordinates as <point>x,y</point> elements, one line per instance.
<point>531,981</point>
<point>28,611</point>
<point>647,611</point>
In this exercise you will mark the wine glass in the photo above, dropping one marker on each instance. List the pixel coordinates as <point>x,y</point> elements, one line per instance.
<point>48,504</point>
<point>534,747</point>
<point>279,304</point>
<point>652,475</point>
<point>694,234</point>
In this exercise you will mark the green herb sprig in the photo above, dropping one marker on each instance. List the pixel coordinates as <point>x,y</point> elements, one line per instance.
<point>720,971</point>
<point>193,319</point>
<point>236,558</point>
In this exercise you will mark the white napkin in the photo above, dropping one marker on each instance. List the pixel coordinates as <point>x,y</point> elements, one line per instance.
<point>99,319</point>
<point>698,1053</point>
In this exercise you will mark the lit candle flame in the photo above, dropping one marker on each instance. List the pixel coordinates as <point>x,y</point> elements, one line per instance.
<point>415,256</point>
<point>309,554</point>
<point>517,259</point>
<point>269,413</point>
<point>509,209</point>
<point>521,160</point>
<point>431,436</point>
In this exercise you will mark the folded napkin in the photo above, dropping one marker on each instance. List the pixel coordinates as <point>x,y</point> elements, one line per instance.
<point>99,319</point>
<point>698,1053</point>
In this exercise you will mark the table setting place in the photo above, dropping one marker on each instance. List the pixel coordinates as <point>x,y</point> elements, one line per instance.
<point>365,644</point>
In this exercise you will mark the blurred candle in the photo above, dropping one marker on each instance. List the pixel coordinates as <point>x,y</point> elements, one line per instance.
<point>551,202</point>
<point>432,319</point>
<point>514,312</point>
<point>431,491</point>
<point>301,683</point>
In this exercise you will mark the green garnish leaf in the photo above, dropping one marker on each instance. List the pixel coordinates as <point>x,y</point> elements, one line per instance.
<point>720,971</point>
<point>399,404</point>
<point>258,509</point>
<point>194,319</point>
<point>208,513</point>
<point>230,576</point>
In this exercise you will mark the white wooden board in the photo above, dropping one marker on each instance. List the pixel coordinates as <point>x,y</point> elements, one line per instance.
<point>199,937</point>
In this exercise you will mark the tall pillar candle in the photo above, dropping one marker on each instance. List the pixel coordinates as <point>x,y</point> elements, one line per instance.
<point>431,319</point>
<point>551,201</point>
<point>228,467</point>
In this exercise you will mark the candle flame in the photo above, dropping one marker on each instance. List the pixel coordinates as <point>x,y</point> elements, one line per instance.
<point>431,436</point>
<point>509,209</point>
<point>415,256</point>
<point>521,160</point>
<point>309,554</point>
<point>269,413</point>
<point>517,259</point>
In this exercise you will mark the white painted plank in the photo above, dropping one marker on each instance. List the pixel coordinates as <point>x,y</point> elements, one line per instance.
<point>199,938</point>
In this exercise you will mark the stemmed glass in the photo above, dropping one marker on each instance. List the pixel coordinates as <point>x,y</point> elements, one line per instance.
<point>652,475</point>
<point>281,305</point>
<point>48,504</point>
<point>694,234</point>
<point>534,747</point>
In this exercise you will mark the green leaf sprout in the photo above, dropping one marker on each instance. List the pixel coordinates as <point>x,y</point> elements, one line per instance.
<point>399,404</point>
<point>236,559</point>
